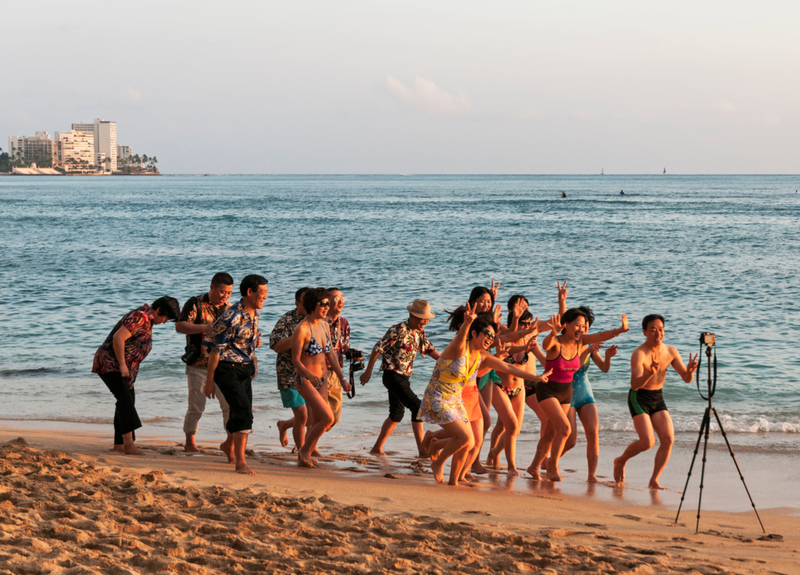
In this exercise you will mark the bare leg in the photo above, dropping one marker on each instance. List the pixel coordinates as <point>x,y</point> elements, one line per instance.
<point>190,446</point>
<point>477,431</point>
<point>283,427</point>
<point>591,426</point>
<point>320,411</point>
<point>486,395</point>
<point>572,440</point>
<point>417,428</point>
<point>227,448</point>
<point>644,429</point>
<point>386,430</point>
<point>558,423</point>
<point>508,417</point>
<point>461,439</point>
<point>533,403</point>
<point>496,444</point>
<point>239,448</point>
<point>128,446</point>
<point>662,424</point>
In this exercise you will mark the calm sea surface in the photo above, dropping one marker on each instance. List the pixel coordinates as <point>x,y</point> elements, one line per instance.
<point>710,253</point>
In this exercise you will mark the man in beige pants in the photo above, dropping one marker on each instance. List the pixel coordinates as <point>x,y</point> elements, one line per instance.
<point>340,340</point>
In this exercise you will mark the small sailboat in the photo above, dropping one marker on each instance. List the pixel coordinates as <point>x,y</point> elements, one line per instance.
<point>602,173</point>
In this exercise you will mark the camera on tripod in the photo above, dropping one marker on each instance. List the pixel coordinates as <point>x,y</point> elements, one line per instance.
<point>708,338</point>
<point>356,364</point>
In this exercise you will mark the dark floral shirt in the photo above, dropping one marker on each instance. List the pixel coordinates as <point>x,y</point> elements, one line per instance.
<point>399,347</point>
<point>283,329</point>
<point>234,335</point>
<point>340,337</point>
<point>208,314</point>
<point>139,322</point>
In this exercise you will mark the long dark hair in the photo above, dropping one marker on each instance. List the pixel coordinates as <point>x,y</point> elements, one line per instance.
<point>456,317</point>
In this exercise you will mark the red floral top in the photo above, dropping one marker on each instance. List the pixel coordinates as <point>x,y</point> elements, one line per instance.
<point>140,323</point>
<point>399,347</point>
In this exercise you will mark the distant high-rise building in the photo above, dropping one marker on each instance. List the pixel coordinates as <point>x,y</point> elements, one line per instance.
<point>76,150</point>
<point>104,140</point>
<point>39,149</point>
<point>123,152</point>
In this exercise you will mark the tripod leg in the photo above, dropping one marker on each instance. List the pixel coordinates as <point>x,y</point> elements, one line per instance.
<point>689,475</point>
<point>707,418</point>
<point>736,463</point>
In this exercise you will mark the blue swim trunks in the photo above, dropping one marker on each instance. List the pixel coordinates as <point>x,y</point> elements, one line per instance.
<point>292,398</point>
<point>581,388</point>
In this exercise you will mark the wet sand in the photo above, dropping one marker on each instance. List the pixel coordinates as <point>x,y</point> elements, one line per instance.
<point>70,505</point>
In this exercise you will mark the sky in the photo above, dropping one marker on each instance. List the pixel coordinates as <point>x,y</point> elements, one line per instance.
<point>454,87</point>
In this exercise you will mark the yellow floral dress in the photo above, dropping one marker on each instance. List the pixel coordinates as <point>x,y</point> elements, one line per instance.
<point>442,401</point>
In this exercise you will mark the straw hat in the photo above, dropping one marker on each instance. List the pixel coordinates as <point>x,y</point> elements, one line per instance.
<point>421,309</point>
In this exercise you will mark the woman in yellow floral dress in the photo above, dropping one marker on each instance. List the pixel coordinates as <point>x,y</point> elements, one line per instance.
<point>442,403</point>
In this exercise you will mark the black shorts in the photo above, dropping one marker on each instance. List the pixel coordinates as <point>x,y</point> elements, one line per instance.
<point>646,401</point>
<point>561,391</point>
<point>400,396</point>
<point>530,388</point>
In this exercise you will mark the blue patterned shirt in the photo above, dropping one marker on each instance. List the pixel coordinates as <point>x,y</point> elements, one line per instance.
<point>234,335</point>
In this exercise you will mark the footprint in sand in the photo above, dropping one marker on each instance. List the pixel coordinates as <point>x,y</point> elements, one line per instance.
<point>631,517</point>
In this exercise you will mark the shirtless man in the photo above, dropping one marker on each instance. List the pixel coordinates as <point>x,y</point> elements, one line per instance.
<point>649,365</point>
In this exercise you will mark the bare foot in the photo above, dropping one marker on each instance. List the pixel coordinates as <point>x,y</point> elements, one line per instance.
<point>425,448</point>
<point>552,473</point>
<point>544,464</point>
<point>377,451</point>
<point>244,469</point>
<point>491,460</point>
<point>118,448</point>
<point>132,450</point>
<point>283,427</point>
<point>191,449</point>
<point>227,448</point>
<point>534,473</point>
<point>513,472</point>
<point>316,453</point>
<point>654,484</point>
<point>468,477</point>
<point>591,479</point>
<point>438,471</point>
<point>478,469</point>
<point>304,460</point>
<point>619,470</point>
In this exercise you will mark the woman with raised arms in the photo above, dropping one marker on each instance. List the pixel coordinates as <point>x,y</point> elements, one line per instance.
<point>564,345</point>
<point>443,404</point>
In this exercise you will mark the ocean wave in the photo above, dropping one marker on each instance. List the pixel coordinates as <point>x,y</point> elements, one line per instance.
<point>740,425</point>
<point>30,372</point>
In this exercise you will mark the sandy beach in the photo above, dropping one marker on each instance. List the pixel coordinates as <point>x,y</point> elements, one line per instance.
<point>70,505</point>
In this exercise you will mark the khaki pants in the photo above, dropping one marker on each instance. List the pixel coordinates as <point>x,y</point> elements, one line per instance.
<point>335,397</point>
<point>197,400</point>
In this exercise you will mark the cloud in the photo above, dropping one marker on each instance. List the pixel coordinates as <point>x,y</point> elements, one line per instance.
<point>429,98</point>
<point>723,107</point>
<point>134,94</point>
<point>532,113</point>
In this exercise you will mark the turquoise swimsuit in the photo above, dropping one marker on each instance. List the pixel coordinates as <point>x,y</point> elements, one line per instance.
<point>581,388</point>
<point>487,377</point>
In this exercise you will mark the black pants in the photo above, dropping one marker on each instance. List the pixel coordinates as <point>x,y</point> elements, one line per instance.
<point>126,420</point>
<point>235,383</point>
<point>400,396</point>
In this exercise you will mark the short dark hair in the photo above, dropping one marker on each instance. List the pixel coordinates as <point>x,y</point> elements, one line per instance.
<point>298,295</point>
<point>588,313</point>
<point>526,315</point>
<point>167,306</point>
<point>312,297</point>
<point>481,322</point>
<point>572,314</point>
<point>251,282</point>
<point>334,289</point>
<point>222,278</point>
<point>652,317</point>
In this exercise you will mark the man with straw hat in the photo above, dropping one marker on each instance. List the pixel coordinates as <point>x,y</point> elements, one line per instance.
<point>398,349</point>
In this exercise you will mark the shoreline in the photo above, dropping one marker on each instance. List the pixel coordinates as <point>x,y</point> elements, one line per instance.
<point>334,521</point>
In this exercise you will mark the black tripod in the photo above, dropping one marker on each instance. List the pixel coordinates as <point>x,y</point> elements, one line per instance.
<point>708,340</point>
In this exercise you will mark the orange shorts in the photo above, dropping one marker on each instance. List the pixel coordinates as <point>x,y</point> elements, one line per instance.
<point>471,398</point>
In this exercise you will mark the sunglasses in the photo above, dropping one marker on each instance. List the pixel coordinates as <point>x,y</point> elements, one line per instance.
<point>489,334</point>
<point>525,324</point>
<point>326,303</point>
<point>339,299</point>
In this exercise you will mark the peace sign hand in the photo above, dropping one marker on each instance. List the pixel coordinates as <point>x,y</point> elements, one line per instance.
<point>469,313</point>
<point>611,352</point>
<point>595,347</point>
<point>494,288</point>
<point>654,366</point>
<point>692,363</point>
<point>562,291</point>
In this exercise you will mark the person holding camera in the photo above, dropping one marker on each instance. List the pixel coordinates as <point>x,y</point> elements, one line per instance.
<point>340,340</point>
<point>398,348</point>
<point>198,314</point>
<point>117,363</point>
<point>280,341</point>
<point>232,365</point>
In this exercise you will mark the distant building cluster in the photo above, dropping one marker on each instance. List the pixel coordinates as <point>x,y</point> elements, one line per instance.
<point>86,148</point>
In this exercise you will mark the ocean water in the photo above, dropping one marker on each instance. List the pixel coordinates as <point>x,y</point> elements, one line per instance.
<point>711,253</point>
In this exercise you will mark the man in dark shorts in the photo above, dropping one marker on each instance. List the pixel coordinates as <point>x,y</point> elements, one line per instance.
<point>232,365</point>
<point>398,349</point>
<point>649,365</point>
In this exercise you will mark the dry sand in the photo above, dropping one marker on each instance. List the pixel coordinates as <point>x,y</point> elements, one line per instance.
<point>69,505</point>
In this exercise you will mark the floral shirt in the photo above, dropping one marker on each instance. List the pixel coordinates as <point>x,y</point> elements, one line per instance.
<point>340,337</point>
<point>208,315</point>
<point>283,329</point>
<point>140,323</point>
<point>399,347</point>
<point>234,335</point>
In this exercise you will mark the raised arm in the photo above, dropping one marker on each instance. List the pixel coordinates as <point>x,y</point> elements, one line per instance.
<point>504,367</point>
<point>562,298</point>
<point>685,371</point>
<point>555,326</point>
<point>608,334</point>
<point>456,347</point>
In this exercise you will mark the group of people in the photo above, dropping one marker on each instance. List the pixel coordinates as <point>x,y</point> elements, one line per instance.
<point>487,363</point>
